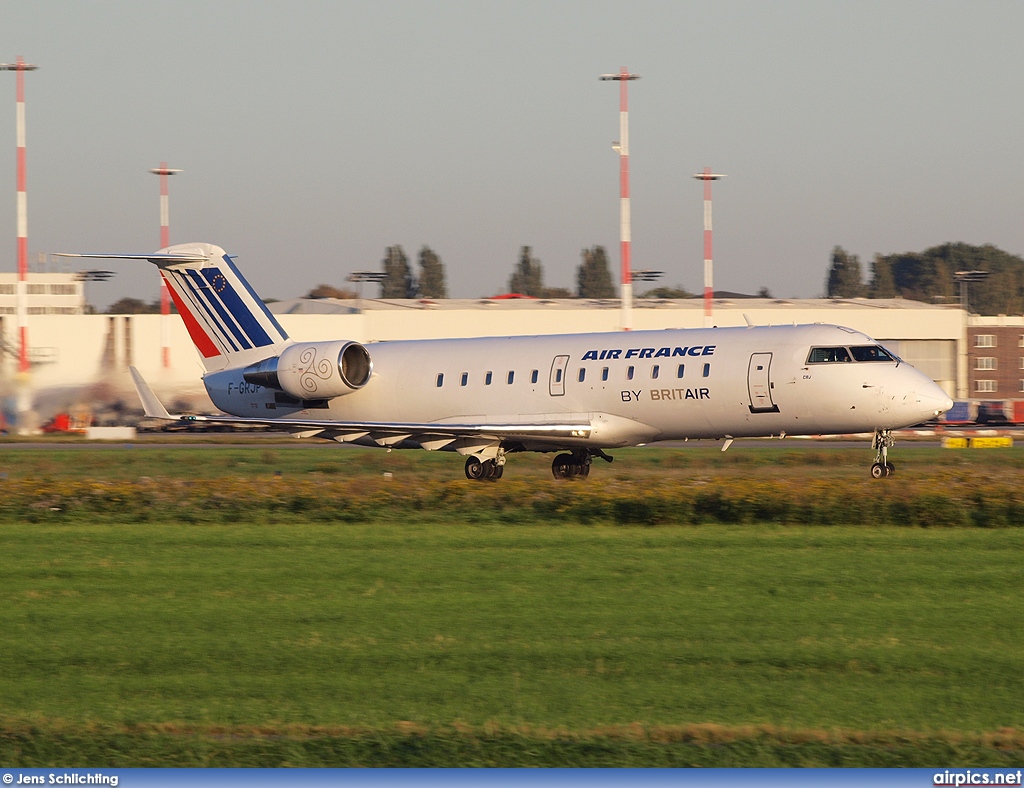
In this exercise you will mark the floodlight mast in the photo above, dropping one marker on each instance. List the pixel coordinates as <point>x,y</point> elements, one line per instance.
<point>20,67</point>
<point>709,274</point>
<point>359,277</point>
<point>165,241</point>
<point>965,278</point>
<point>24,396</point>
<point>625,239</point>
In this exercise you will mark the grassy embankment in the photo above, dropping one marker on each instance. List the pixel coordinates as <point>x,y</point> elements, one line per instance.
<point>278,637</point>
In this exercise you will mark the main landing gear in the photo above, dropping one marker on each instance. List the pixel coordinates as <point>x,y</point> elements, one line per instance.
<point>484,470</point>
<point>564,466</point>
<point>881,443</point>
<point>569,466</point>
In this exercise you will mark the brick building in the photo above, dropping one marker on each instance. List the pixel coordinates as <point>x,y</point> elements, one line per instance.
<point>995,356</point>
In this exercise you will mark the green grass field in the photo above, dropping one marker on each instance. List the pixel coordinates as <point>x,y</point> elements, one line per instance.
<point>252,456</point>
<point>415,642</point>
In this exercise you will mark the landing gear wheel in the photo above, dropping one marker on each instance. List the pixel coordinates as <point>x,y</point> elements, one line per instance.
<point>475,469</point>
<point>478,470</point>
<point>492,471</point>
<point>566,466</point>
<point>881,443</point>
<point>563,467</point>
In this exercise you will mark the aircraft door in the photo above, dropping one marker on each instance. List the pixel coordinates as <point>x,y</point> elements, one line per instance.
<point>556,383</point>
<point>759,384</point>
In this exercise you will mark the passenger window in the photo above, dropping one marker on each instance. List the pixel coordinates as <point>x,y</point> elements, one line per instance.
<point>511,377</point>
<point>828,355</point>
<point>654,372</point>
<point>583,374</point>
<point>440,379</point>
<point>707,370</point>
<point>487,379</point>
<point>871,353</point>
<point>558,376</point>
<point>465,378</point>
<point>604,373</point>
<point>533,376</point>
<point>629,373</point>
<point>679,371</point>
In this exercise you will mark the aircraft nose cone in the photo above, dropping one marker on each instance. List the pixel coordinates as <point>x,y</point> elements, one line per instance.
<point>934,402</point>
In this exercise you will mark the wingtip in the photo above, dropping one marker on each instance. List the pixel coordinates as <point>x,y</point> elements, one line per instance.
<point>153,407</point>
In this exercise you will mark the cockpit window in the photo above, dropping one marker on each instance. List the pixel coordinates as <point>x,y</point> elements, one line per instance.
<point>828,355</point>
<point>871,353</point>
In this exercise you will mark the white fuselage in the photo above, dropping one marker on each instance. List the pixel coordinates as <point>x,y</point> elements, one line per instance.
<point>633,387</point>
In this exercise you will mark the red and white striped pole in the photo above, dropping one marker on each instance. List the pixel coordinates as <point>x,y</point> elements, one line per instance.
<point>165,241</point>
<point>20,67</point>
<point>625,232</point>
<point>709,276</point>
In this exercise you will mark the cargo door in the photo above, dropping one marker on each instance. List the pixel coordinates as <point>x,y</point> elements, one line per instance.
<point>759,384</point>
<point>556,383</point>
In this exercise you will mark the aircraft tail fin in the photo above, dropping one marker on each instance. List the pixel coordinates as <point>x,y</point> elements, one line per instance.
<point>228,323</point>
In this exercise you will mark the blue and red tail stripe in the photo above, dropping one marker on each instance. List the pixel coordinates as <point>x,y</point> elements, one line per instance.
<point>203,292</point>
<point>203,312</point>
<point>206,346</point>
<point>282,334</point>
<point>240,311</point>
<point>236,322</point>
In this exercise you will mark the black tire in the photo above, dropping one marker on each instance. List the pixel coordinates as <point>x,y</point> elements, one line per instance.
<point>475,469</point>
<point>584,470</point>
<point>492,471</point>
<point>499,471</point>
<point>890,469</point>
<point>563,467</point>
<point>878,471</point>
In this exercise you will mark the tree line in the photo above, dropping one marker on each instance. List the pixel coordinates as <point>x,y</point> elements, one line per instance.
<point>920,276</point>
<point>593,278</point>
<point>929,276</point>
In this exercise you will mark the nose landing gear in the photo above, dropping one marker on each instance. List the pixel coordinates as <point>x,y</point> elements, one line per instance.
<point>881,443</point>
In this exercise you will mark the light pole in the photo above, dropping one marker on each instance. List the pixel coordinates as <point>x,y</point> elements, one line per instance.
<point>91,276</point>
<point>359,277</point>
<point>165,241</point>
<point>709,275</point>
<point>647,275</point>
<point>622,147</point>
<point>24,395</point>
<point>20,67</point>
<point>965,278</point>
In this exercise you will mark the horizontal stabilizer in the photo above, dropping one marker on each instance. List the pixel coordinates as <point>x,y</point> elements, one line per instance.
<point>153,257</point>
<point>153,407</point>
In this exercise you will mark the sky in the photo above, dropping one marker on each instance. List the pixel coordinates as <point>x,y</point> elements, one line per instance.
<point>312,135</point>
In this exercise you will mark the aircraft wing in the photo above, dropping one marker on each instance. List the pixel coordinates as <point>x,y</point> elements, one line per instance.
<point>466,437</point>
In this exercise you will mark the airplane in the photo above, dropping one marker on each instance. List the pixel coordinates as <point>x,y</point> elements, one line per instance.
<point>576,395</point>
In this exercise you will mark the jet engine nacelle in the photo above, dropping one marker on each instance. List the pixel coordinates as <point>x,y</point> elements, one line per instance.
<point>314,370</point>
